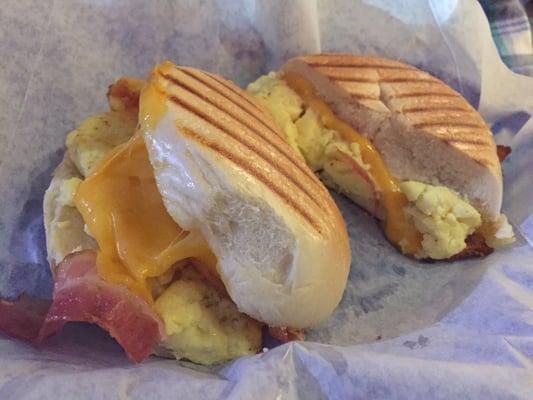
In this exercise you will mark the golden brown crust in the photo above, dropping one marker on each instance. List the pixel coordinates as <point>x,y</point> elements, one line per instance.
<point>426,103</point>
<point>246,137</point>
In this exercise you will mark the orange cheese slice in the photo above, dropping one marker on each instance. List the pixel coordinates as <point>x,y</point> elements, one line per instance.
<point>124,212</point>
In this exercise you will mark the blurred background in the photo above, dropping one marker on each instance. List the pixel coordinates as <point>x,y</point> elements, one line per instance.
<point>510,24</point>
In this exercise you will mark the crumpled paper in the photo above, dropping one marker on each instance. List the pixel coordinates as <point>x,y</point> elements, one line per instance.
<point>403,329</point>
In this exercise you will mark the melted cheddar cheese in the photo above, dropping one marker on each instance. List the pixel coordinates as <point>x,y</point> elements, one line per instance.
<point>398,228</point>
<point>152,106</point>
<point>124,212</point>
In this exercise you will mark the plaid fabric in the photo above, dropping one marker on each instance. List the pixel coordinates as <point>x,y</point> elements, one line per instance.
<point>510,23</point>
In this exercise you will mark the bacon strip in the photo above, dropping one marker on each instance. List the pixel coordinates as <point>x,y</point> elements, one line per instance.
<point>475,247</point>
<point>123,95</point>
<point>81,295</point>
<point>503,152</point>
<point>23,319</point>
<point>285,334</point>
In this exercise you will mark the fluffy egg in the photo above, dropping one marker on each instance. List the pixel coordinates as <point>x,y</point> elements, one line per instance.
<point>442,216</point>
<point>203,325</point>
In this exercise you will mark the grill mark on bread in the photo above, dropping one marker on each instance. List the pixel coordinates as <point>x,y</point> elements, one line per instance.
<point>408,80</point>
<point>358,90</point>
<point>232,89</point>
<point>448,124</point>
<point>346,60</point>
<point>340,74</point>
<point>286,152</point>
<point>350,79</point>
<point>417,100</point>
<point>381,80</point>
<point>254,149</point>
<point>423,94</point>
<point>465,144</point>
<point>363,96</point>
<point>485,161</point>
<point>358,65</point>
<point>183,85</point>
<point>200,77</point>
<point>255,172</point>
<point>433,109</point>
<point>467,141</point>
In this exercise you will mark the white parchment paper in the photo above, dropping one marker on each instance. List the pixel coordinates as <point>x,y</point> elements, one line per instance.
<point>403,329</point>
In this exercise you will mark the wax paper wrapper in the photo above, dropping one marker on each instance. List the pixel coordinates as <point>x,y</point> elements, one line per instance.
<point>403,330</point>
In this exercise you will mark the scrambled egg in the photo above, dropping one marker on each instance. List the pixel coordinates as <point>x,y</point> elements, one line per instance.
<point>303,129</point>
<point>312,139</point>
<point>442,216</point>
<point>322,148</point>
<point>281,102</point>
<point>99,134</point>
<point>352,149</point>
<point>67,191</point>
<point>96,136</point>
<point>202,325</point>
<point>498,232</point>
<point>351,178</point>
<point>88,144</point>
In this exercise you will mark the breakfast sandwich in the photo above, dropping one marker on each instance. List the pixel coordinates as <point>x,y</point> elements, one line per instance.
<point>182,223</point>
<point>400,143</point>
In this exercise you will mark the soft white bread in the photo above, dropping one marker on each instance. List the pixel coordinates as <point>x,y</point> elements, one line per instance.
<point>63,223</point>
<point>424,130</point>
<point>223,169</point>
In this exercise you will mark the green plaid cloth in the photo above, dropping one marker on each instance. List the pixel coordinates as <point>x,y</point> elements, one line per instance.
<point>510,23</point>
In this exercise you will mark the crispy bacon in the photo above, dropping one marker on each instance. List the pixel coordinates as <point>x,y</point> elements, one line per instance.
<point>81,295</point>
<point>475,247</point>
<point>123,95</point>
<point>23,319</point>
<point>285,334</point>
<point>503,152</point>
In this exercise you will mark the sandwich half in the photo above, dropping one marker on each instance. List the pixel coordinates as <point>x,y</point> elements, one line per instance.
<point>182,222</point>
<point>400,143</point>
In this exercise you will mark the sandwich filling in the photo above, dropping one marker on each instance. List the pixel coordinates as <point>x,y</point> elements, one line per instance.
<point>142,248</point>
<point>423,220</point>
